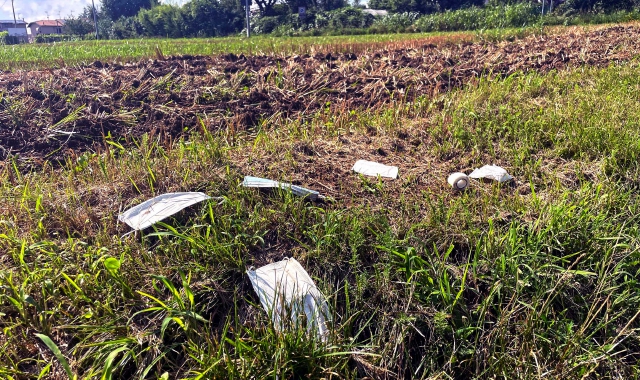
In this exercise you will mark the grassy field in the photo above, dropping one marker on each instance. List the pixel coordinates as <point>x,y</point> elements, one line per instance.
<point>85,52</point>
<point>53,55</point>
<point>530,279</point>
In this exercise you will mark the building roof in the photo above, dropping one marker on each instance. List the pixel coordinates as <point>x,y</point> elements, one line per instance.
<point>21,22</point>
<point>48,23</point>
<point>375,12</point>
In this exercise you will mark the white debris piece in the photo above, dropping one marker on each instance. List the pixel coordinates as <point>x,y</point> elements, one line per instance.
<point>493,172</point>
<point>285,290</point>
<point>459,181</point>
<point>155,209</point>
<point>375,169</point>
<point>267,183</point>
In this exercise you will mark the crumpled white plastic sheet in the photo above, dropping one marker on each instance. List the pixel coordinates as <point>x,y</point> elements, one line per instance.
<point>493,172</point>
<point>285,291</point>
<point>375,169</point>
<point>267,183</point>
<point>156,209</point>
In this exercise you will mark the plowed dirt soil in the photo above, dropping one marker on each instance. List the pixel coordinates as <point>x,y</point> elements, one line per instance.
<point>46,114</point>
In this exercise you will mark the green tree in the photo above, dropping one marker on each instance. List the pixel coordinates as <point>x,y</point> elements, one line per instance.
<point>329,5</point>
<point>457,4</point>
<point>163,21</point>
<point>398,6</point>
<point>197,18</point>
<point>266,7</point>
<point>82,24</point>
<point>114,9</point>
<point>422,6</point>
<point>125,28</point>
<point>209,18</point>
<point>78,26</point>
<point>598,5</point>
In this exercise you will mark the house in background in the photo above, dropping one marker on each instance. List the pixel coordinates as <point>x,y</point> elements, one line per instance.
<point>44,27</point>
<point>16,28</point>
<point>375,12</point>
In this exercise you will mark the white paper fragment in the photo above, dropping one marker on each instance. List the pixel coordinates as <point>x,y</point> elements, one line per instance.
<point>459,181</point>
<point>156,209</point>
<point>267,183</point>
<point>375,169</point>
<point>285,291</point>
<point>493,172</point>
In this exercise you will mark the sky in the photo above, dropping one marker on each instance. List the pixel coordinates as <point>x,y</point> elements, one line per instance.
<point>33,10</point>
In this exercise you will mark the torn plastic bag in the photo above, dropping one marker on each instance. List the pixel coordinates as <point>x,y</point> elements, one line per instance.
<point>267,183</point>
<point>493,172</point>
<point>375,169</point>
<point>156,209</point>
<point>285,291</point>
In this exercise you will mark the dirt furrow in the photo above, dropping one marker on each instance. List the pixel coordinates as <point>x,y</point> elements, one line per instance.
<point>46,114</point>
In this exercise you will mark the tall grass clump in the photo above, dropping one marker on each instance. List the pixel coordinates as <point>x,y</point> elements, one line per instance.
<point>476,18</point>
<point>395,22</point>
<point>593,18</point>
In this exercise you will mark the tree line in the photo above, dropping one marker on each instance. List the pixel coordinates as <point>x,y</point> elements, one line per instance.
<point>119,19</point>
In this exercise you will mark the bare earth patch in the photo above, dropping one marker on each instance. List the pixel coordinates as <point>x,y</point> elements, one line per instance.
<point>47,114</point>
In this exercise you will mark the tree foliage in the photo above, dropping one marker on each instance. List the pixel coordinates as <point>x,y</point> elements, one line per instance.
<point>214,17</point>
<point>422,6</point>
<point>209,18</point>
<point>115,9</point>
<point>266,7</point>
<point>598,5</point>
<point>78,26</point>
<point>197,18</point>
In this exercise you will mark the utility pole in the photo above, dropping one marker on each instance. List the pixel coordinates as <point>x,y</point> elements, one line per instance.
<point>15,23</point>
<point>248,25</point>
<point>550,6</point>
<point>543,7</point>
<point>95,17</point>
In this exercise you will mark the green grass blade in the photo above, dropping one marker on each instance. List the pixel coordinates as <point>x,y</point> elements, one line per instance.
<point>57,353</point>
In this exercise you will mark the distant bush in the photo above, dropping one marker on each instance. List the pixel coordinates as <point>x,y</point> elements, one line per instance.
<point>6,39</point>
<point>396,22</point>
<point>50,38</point>
<point>315,23</point>
<point>596,18</point>
<point>196,18</point>
<point>344,18</point>
<point>127,27</point>
<point>268,24</point>
<point>3,38</point>
<point>475,18</point>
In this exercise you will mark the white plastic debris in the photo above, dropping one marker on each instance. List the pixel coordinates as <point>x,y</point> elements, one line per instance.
<point>156,209</point>
<point>267,183</point>
<point>285,290</point>
<point>459,181</point>
<point>493,172</point>
<point>375,169</point>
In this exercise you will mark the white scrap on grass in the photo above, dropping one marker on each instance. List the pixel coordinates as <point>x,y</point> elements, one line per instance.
<point>375,169</point>
<point>267,183</point>
<point>459,181</point>
<point>156,209</point>
<point>285,290</point>
<point>493,172</point>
